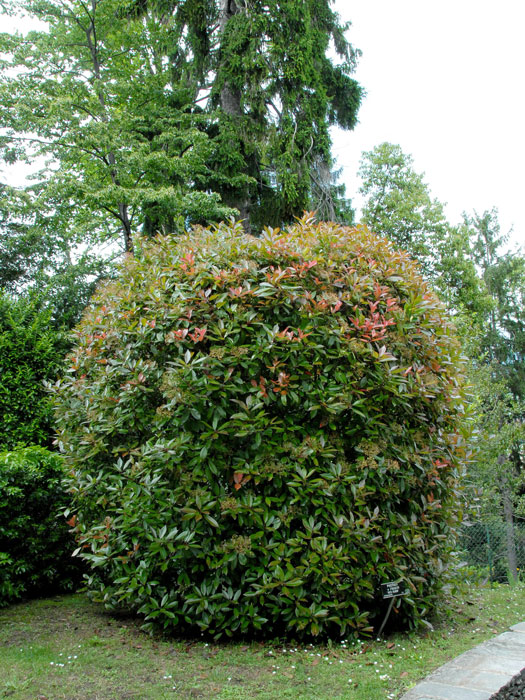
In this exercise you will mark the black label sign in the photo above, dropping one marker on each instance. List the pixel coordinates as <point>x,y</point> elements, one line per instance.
<point>392,589</point>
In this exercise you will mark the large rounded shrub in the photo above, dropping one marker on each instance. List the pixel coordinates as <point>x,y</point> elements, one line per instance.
<point>262,431</point>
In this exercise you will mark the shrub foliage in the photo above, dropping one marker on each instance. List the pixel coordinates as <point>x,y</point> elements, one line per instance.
<point>262,431</point>
<point>35,542</point>
<point>31,353</point>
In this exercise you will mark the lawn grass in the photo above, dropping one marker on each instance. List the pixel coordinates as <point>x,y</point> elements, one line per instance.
<point>67,647</point>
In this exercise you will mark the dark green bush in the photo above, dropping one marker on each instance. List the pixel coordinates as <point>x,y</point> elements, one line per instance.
<point>262,431</point>
<point>31,353</point>
<point>35,542</point>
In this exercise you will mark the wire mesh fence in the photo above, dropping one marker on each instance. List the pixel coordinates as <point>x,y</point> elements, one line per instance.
<point>494,549</point>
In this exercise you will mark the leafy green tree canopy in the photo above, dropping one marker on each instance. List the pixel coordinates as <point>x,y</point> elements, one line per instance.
<point>483,284</point>
<point>502,332</point>
<point>399,204</point>
<point>154,116</point>
<point>100,99</point>
<point>39,257</point>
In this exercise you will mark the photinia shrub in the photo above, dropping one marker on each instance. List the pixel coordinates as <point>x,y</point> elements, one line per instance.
<point>261,431</point>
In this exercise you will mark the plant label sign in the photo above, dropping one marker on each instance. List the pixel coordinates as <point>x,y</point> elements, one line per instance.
<point>392,589</point>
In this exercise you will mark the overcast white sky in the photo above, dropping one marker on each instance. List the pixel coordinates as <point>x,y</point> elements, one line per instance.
<point>444,80</point>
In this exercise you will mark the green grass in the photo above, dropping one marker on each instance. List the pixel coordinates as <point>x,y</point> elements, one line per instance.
<point>67,647</point>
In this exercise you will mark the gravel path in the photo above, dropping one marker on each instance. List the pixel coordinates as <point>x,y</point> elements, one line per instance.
<point>514,690</point>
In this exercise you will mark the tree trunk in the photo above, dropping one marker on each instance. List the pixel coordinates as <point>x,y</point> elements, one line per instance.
<point>126,228</point>
<point>91,39</point>
<point>230,101</point>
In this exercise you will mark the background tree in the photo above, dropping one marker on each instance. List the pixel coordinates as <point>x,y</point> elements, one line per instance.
<point>497,474</point>
<point>39,257</point>
<point>483,286</point>
<point>152,115</point>
<point>399,204</point>
<point>98,97</point>
<point>499,375</point>
<point>503,276</point>
<point>278,92</point>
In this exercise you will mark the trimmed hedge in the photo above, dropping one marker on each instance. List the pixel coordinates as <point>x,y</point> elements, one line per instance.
<point>35,542</point>
<point>31,353</point>
<point>262,431</point>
